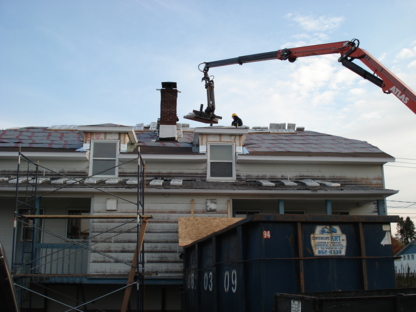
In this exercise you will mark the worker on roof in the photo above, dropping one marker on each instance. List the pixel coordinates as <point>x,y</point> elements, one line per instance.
<point>236,120</point>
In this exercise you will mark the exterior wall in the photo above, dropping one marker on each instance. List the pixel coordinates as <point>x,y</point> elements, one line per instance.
<point>60,206</point>
<point>157,168</point>
<point>406,263</point>
<point>58,165</point>
<point>162,256</point>
<point>366,209</point>
<point>369,174</point>
<point>360,174</point>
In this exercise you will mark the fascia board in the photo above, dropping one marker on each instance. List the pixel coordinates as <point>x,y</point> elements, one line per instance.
<point>281,194</point>
<point>312,159</point>
<point>47,155</point>
<point>169,158</point>
<point>284,194</point>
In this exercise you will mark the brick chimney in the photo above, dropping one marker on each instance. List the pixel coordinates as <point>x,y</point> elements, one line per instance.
<point>168,114</point>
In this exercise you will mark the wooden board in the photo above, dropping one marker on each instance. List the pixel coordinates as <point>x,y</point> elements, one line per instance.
<point>96,216</point>
<point>7,291</point>
<point>193,228</point>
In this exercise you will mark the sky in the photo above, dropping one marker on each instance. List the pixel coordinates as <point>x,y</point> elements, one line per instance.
<point>99,61</point>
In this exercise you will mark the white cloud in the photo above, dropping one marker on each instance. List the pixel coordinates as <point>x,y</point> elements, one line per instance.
<point>382,57</point>
<point>312,74</point>
<point>357,91</point>
<point>294,44</point>
<point>321,37</point>
<point>371,115</point>
<point>301,36</point>
<point>412,64</point>
<point>342,77</point>
<point>407,53</point>
<point>306,39</point>
<point>324,98</point>
<point>316,23</point>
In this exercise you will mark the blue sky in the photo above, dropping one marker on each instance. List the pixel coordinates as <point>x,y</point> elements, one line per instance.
<point>90,62</point>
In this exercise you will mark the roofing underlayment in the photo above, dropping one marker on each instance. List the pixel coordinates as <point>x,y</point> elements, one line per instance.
<point>262,143</point>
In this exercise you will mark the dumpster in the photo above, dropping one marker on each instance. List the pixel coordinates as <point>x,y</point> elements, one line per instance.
<point>388,300</point>
<point>241,267</point>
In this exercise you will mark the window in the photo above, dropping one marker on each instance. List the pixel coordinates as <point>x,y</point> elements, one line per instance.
<point>78,228</point>
<point>28,226</point>
<point>221,161</point>
<point>413,257</point>
<point>104,158</point>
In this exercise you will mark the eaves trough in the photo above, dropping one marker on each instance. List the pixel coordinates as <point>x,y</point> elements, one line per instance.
<point>277,193</point>
<point>343,194</point>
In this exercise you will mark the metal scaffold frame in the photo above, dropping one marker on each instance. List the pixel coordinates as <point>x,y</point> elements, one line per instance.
<point>27,262</point>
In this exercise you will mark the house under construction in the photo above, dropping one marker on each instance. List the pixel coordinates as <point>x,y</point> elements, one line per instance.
<point>75,200</point>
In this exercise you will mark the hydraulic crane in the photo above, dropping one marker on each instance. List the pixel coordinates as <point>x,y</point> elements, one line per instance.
<point>349,51</point>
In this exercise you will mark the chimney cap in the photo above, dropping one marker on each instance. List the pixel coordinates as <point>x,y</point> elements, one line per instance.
<point>169,85</point>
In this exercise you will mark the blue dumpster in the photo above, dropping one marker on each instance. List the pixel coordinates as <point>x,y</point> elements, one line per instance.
<point>241,267</point>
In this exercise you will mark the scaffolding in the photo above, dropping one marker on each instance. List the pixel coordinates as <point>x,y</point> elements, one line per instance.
<point>37,264</point>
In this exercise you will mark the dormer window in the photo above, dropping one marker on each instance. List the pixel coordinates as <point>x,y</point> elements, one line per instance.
<point>221,161</point>
<point>104,159</point>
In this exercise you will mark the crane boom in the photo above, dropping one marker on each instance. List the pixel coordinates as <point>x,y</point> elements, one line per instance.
<point>349,51</point>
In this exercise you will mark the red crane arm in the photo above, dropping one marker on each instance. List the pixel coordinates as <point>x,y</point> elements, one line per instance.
<point>349,51</point>
<point>391,83</point>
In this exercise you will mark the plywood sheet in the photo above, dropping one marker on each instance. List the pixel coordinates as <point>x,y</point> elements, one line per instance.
<point>193,228</point>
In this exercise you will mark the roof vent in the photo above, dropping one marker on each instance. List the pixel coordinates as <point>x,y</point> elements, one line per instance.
<point>277,127</point>
<point>291,127</point>
<point>153,126</point>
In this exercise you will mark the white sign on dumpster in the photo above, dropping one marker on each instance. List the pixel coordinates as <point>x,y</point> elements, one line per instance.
<point>295,306</point>
<point>328,240</point>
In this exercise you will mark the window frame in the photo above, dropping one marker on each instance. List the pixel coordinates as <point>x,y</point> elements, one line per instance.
<point>92,158</point>
<point>27,230</point>
<point>83,211</point>
<point>232,161</point>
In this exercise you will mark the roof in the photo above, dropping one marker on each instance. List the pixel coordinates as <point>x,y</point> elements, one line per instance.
<point>300,143</point>
<point>306,142</point>
<point>408,249</point>
<point>40,137</point>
